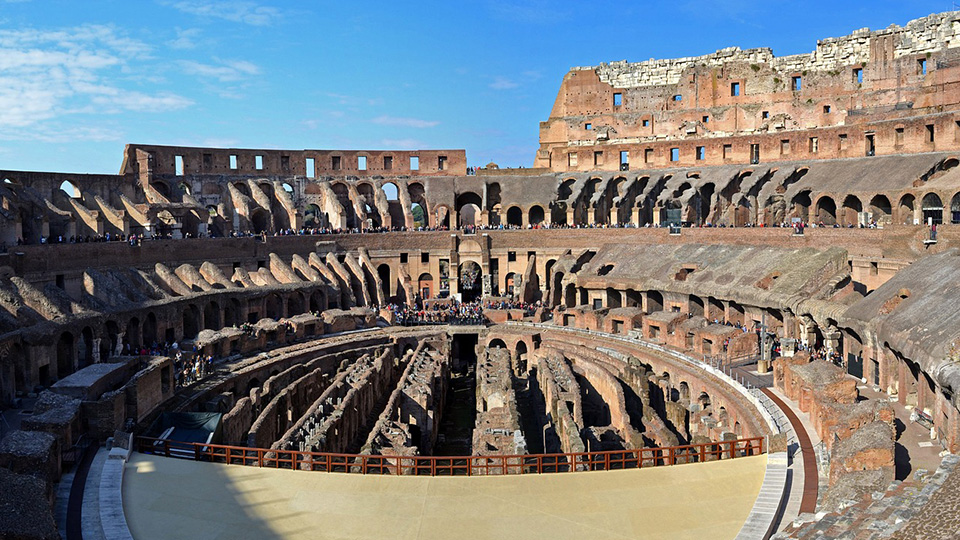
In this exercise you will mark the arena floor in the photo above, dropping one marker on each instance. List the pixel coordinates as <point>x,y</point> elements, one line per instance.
<point>173,498</point>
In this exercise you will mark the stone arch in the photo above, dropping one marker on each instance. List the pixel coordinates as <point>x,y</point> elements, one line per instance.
<point>131,335</point>
<point>696,307</point>
<point>906,209</point>
<point>654,301</point>
<point>191,322</point>
<point>536,215</point>
<point>232,312</point>
<point>66,355</point>
<point>85,357</point>
<point>273,306</point>
<point>211,316</point>
<point>150,330</point>
<point>614,298</point>
<point>932,207</point>
<point>383,271</point>
<point>850,210</point>
<point>955,208</point>
<point>514,216</point>
<point>471,278</point>
<point>425,286</point>
<point>71,189</point>
<point>801,203</point>
<point>317,303</point>
<point>260,221</point>
<point>570,295</point>
<point>312,216</point>
<point>826,211</point>
<point>497,343</point>
<point>881,208</point>
<point>295,305</point>
<point>109,343</point>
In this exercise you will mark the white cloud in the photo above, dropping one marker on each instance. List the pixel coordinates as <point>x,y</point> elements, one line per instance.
<point>186,39</point>
<point>235,11</point>
<point>503,83</point>
<point>48,74</point>
<point>417,123</point>
<point>224,71</point>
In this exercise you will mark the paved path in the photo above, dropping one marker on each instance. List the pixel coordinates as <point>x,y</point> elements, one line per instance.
<point>808,504</point>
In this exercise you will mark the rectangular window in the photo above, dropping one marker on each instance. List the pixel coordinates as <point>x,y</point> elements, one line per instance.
<point>178,165</point>
<point>285,163</point>
<point>870,146</point>
<point>233,162</point>
<point>311,167</point>
<point>571,159</point>
<point>336,162</point>
<point>674,154</point>
<point>624,157</point>
<point>754,153</point>
<point>814,145</point>
<point>785,147</point>
<point>414,163</point>
<point>207,160</point>
<point>735,89</point>
<point>648,155</point>
<point>922,66</point>
<point>727,151</point>
<point>898,133</point>
<point>858,75</point>
<point>442,163</point>
<point>765,115</point>
<point>425,257</point>
<point>388,163</point>
<point>956,131</point>
<point>511,256</point>
<point>361,163</point>
<point>258,162</point>
<point>826,109</point>
<point>617,99</point>
<point>701,152</point>
<point>843,142</point>
<point>930,134</point>
<point>598,157</point>
<point>645,122</point>
<point>796,82</point>
<point>403,258</point>
<point>705,119</point>
<point>677,97</point>
<point>588,126</point>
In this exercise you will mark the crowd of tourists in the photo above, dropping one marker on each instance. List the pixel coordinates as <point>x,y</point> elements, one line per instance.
<point>452,312</point>
<point>191,367</point>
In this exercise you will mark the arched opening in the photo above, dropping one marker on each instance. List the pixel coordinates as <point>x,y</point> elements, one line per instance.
<point>86,348</point>
<point>442,216</point>
<point>801,206</point>
<point>514,216</point>
<point>508,283</point>
<point>383,271</point>
<point>183,188</point>
<point>316,302</point>
<point>311,216</point>
<point>932,209</point>
<point>468,208</point>
<point>851,210</point>
<point>260,221</point>
<point>131,335</point>
<point>955,209</point>
<point>70,189</point>
<point>905,210</point>
<point>521,356</point>
<point>418,204</point>
<point>497,343</point>
<point>614,299</point>
<point>231,313</point>
<point>150,330</point>
<point>191,322</point>
<point>274,307</point>
<point>211,317</point>
<point>654,301</point>
<point>470,281</point>
<point>65,355</point>
<point>570,295</point>
<point>425,286</point>
<point>164,190</point>
<point>390,191</point>
<point>695,307</point>
<point>469,215</point>
<point>295,305</point>
<point>109,345</point>
<point>536,214</point>
<point>826,211</point>
<point>881,209</point>
<point>419,216</point>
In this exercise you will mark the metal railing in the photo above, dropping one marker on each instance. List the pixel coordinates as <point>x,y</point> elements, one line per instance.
<point>453,466</point>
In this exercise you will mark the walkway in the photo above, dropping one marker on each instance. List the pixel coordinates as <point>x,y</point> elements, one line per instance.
<point>175,498</point>
<point>808,504</point>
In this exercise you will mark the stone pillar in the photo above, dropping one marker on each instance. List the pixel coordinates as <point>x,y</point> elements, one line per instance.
<point>95,354</point>
<point>486,284</point>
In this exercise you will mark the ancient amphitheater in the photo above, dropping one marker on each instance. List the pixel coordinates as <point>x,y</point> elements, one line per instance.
<point>722,304</point>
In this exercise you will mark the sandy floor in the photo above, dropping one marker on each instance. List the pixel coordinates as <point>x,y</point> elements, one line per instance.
<point>172,498</point>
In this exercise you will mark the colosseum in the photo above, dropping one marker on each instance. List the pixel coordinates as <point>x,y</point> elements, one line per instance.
<point>717,306</point>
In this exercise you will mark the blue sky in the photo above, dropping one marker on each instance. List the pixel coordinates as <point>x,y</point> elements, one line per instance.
<point>78,80</point>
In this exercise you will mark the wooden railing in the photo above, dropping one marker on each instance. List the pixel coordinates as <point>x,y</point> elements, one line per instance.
<point>454,466</point>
